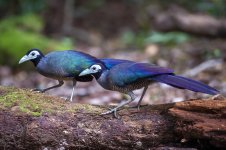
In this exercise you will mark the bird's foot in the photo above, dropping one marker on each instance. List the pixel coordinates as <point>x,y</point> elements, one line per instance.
<point>114,111</point>
<point>137,106</point>
<point>38,90</point>
<point>66,99</point>
<point>70,99</point>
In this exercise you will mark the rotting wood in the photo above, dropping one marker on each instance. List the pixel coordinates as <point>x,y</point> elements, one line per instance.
<point>197,124</point>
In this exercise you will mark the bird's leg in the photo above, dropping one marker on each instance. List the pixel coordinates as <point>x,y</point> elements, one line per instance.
<point>72,93</point>
<point>114,110</point>
<point>139,102</point>
<point>52,87</point>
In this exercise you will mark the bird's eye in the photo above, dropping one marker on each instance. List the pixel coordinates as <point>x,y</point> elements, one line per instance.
<point>32,54</point>
<point>94,68</point>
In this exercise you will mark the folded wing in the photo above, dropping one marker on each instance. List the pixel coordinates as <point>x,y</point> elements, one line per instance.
<point>127,73</point>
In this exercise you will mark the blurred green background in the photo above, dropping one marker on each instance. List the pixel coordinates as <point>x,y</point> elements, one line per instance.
<point>108,24</point>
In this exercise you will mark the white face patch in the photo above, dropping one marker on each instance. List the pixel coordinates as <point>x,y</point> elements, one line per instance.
<point>33,54</point>
<point>95,68</point>
<point>91,70</point>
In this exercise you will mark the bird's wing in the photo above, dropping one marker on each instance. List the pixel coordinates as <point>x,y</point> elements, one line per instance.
<point>109,62</point>
<point>69,64</point>
<point>127,73</point>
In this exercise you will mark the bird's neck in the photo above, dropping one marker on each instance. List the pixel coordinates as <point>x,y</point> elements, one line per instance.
<point>102,79</point>
<point>37,60</point>
<point>97,75</point>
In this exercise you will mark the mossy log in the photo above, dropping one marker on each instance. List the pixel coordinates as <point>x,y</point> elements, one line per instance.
<point>30,120</point>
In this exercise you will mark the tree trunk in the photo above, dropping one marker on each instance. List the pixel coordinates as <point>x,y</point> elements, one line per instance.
<point>36,121</point>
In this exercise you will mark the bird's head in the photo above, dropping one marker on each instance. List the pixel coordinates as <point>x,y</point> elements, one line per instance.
<point>93,70</point>
<point>33,55</point>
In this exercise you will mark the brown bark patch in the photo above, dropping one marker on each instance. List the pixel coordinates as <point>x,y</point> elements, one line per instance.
<point>202,120</point>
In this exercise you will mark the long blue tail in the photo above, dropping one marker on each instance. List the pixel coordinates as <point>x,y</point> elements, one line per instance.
<point>185,83</point>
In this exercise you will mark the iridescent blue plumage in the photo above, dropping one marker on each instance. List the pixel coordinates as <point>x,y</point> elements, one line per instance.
<point>129,76</point>
<point>185,83</point>
<point>127,73</point>
<point>64,65</point>
<point>110,62</point>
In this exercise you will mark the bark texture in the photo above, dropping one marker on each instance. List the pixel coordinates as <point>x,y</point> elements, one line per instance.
<point>193,124</point>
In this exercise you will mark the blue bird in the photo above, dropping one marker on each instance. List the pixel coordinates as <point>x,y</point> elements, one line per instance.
<point>111,62</point>
<point>129,76</point>
<point>65,65</point>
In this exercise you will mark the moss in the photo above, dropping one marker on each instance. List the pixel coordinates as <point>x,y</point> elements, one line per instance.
<point>36,104</point>
<point>85,108</point>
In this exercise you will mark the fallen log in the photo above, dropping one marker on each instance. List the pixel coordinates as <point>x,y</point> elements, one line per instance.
<point>30,120</point>
<point>178,19</point>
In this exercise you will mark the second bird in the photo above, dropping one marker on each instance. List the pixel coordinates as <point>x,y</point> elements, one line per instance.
<point>126,77</point>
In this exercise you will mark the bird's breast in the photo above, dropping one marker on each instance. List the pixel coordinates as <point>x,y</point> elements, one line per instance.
<point>55,72</point>
<point>131,87</point>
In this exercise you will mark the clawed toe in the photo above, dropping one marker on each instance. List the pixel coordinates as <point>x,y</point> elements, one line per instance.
<point>107,112</point>
<point>65,98</point>
<point>114,111</point>
<point>137,106</point>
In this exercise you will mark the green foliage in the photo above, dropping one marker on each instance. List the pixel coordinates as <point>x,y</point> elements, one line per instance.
<point>21,33</point>
<point>128,37</point>
<point>9,7</point>
<point>31,6</point>
<point>167,38</point>
<point>215,53</point>
<point>141,39</point>
<point>213,7</point>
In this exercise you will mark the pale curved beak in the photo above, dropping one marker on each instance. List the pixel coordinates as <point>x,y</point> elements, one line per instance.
<point>85,72</point>
<point>23,59</point>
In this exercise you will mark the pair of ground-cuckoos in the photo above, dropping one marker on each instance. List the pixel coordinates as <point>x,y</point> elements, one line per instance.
<point>112,74</point>
<point>65,65</point>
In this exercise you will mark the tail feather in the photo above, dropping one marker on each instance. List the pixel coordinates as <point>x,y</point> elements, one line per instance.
<point>185,83</point>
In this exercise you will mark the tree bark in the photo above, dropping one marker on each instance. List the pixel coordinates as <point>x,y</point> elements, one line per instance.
<point>193,124</point>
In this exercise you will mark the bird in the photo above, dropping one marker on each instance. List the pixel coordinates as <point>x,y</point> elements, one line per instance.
<point>65,65</point>
<point>129,76</point>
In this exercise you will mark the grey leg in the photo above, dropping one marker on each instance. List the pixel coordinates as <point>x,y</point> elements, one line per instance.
<point>144,91</point>
<point>52,87</point>
<point>114,110</point>
<point>72,94</point>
